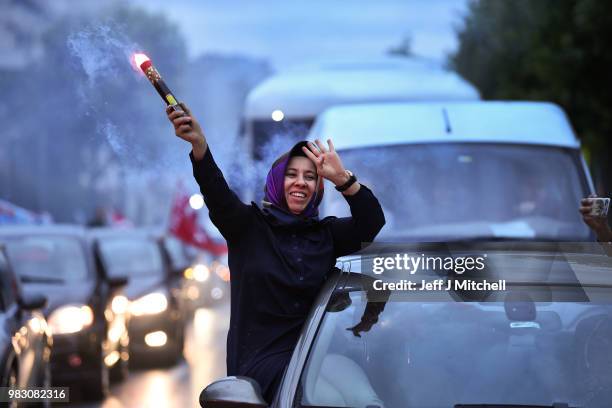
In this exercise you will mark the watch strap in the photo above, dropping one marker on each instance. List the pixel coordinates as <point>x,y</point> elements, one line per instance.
<point>352,179</point>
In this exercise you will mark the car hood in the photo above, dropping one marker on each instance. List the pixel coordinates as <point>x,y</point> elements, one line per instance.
<point>141,285</point>
<point>62,294</point>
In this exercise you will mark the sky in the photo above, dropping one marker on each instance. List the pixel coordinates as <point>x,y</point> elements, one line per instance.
<point>286,32</point>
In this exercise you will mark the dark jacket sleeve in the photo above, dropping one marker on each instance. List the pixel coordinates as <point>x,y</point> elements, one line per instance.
<point>230,215</point>
<point>366,221</point>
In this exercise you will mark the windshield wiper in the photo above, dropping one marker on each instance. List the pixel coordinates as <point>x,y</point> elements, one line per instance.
<point>554,405</point>
<point>39,279</point>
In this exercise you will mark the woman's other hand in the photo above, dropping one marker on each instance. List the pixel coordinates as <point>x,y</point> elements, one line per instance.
<point>329,165</point>
<point>598,224</point>
<point>187,128</point>
<point>327,162</point>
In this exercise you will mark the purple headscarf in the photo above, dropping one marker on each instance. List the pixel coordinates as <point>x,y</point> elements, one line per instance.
<point>275,184</point>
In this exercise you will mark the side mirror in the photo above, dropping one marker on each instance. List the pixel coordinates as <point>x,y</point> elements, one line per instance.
<point>231,392</point>
<point>117,281</point>
<point>32,301</point>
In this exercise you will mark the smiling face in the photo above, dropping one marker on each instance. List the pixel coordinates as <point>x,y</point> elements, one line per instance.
<point>300,183</point>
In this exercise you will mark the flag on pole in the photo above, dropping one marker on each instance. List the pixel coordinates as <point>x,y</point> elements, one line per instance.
<point>184,225</point>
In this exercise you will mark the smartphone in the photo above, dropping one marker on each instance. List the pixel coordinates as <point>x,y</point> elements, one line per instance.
<point>600,206</point>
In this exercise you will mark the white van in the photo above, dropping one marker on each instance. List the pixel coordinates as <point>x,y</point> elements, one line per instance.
<point>287,103</point>
<point>463,170</point>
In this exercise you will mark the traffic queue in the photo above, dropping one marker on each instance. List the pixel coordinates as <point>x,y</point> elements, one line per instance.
<point>80,306</point>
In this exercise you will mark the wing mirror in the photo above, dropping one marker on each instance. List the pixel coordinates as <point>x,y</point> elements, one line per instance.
<point>231,392</point>
<point>32,301</point>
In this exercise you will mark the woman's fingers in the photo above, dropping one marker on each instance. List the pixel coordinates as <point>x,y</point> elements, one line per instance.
<point>314,149</point>
<point>320,145</point>
<point>181,120</point>
<point>176,114</point>
<point>185,108</point>
<point>184,129</point>
<point>310,155</point>
<point>331,145</point>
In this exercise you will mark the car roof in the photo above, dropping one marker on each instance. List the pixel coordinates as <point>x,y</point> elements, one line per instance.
<point>363,125</point>
<point>107,232</point>
<point>304,93</point>
<point>47,229</point>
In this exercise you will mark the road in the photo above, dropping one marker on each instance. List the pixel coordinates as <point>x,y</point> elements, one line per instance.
<point>179,386</point>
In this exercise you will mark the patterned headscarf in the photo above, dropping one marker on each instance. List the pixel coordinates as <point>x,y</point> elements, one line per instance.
<point>275,184</point>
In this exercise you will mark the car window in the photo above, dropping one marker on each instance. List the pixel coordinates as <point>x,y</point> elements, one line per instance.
<point>443,353</point>
<point>441,191</point>
<point>52,257</point>
<point>8,284</point>
<point>131,256</point>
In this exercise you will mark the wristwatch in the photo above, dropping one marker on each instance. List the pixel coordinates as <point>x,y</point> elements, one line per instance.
<point>352,179</point>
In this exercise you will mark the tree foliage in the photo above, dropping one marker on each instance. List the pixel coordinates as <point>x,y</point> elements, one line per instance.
<point>554,50</point>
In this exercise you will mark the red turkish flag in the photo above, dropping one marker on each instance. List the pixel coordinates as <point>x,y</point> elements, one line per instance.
<point>184,225</point>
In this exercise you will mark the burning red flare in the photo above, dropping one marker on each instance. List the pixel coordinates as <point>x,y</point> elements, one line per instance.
<point>142,61</point>
<point>146,66</point>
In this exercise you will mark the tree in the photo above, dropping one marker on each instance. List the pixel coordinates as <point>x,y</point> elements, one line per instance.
<point>554,50</point>
<point>72,131</point>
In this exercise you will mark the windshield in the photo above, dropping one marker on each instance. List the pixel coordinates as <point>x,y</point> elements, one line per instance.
<point>445,191</point>
<point>134,257</point>
<point>48,257</point>
<point>438,354</point>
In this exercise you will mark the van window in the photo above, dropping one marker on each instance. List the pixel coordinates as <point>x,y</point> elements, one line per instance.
<point>265,131</point>
<point>470,190</point>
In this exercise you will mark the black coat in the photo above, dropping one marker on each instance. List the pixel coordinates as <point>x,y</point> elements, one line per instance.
<point>278,262</point>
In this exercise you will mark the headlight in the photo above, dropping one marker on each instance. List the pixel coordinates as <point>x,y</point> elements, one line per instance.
<point>119,304</point>
<point>152,303</point>
<point>70,319</point>
<point>201,273</point>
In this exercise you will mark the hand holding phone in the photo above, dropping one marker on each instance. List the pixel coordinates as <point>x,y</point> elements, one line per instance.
<point>594,212</point>
<point>599,206</point>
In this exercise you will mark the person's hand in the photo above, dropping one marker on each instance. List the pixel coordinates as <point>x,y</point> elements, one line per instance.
<point>187,128</point>
<point>598,224</point>
<point>327,162</point>
<point>363,326</point>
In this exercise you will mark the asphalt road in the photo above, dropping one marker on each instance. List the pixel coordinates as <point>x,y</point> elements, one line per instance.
<point>178,386</point>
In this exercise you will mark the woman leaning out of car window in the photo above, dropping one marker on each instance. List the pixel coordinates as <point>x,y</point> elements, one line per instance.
<point>280,254</point>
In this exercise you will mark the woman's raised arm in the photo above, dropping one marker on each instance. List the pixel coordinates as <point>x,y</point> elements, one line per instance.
<point>227,212</point>
<point>367,217</point>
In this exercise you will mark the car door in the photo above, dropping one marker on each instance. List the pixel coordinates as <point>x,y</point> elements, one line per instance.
<point>25,327</point>
<point>8,291</point>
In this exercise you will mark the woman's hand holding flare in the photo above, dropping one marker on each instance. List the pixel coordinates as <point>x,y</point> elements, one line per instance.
<point>187,128</point>
<point>329,165</point>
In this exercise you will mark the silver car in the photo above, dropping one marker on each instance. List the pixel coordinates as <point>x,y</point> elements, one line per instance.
<point>544,340</point>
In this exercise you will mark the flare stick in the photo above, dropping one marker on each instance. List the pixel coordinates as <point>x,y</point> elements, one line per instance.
<point>145,64</point>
